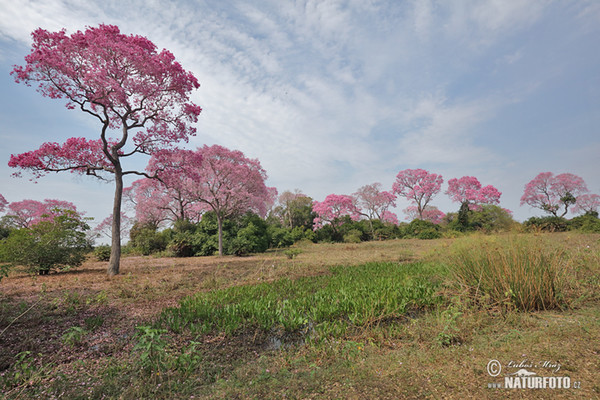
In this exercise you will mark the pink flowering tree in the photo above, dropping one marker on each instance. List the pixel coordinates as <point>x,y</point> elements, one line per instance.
<point>333,208</point>
<point>418,186</point>
<point>430,213</point>
<point>139,96</point>
<point>390,218</point>
<point>468,192</point>
<point>104,228</point>
<point>222,180</point>
<point>553,194</point>
<point>155,203</point>
<point>374,202</point>
<point>27,213</point>
<point>3,203</point>
<point>587,204</point>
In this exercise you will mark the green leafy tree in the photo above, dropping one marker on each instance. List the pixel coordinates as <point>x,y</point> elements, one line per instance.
<point>57,243</point>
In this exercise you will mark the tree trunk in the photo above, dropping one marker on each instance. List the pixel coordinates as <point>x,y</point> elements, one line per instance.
<point>115,249</point>
<point>220,223</point>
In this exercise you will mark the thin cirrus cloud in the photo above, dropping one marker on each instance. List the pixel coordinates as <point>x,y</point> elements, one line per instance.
<point>333,95</point>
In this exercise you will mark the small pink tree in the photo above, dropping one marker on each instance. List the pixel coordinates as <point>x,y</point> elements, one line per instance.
<point>139,96</point>
<point>3,203</point>
<point>587,203</point>
<point>373,201</point>
<point>468,191</point>
<point>26,213</point>
<point>430,213</point>
<point>418,186</point>
<point>222,180</point>
<point>333,208</point>
<point>104,228</point>
<point>552,193</point>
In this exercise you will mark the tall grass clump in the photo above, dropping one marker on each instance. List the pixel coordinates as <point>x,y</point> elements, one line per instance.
<point>517,272</point>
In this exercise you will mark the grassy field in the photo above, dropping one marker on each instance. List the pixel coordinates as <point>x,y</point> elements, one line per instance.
<point>376,320</point>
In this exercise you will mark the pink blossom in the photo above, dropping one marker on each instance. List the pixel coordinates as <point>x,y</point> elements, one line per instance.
<point>218,179</point>
<point>468,190</point>
<point>373,201</point>
<point>3,203</point>
<point>551,193</point>
<point>419,186</point>
<point>430,213</point>
<point>26,213</point>
<point>333,208</point>
<point>139,96</point>
<point>587,203</point>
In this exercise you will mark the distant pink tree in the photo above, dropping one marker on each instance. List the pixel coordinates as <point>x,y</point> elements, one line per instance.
<point>551,193</point>
<point>374,202</point>
<point>418,186</point>
<point>155,203</point>
<point>430,213</point>
<point>222,180</point>
<point>26,213</point>
<point>468,191</point>
<point>389,217</point>
<point>138,95</point>
<point>104,228</point>
<point>293,209</point>
<point>587,203</point>
<point>333,208</point>
<point>3,203</point>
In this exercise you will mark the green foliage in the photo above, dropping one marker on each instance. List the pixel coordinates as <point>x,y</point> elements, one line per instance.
<point>353,236</point>
<point>490,218</point>
<point>73,336</point>
<point>589,223</point>
<point>150,348</point>
<point>292,253</point>
<point>513,272</point>
<point>547,224</point>
<point>422,229</point>
<point>146,239</point>
<point>102,253</point>
<point>351,296</point>
<point>47,245</point>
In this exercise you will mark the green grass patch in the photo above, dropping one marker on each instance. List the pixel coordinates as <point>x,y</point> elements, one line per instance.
<point>347,297</point>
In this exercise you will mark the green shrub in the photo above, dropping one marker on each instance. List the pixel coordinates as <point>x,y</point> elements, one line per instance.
<point>516,272</point>
<point>421,229</point>
<point>353,236</point>
<point>146,239</point>
<point>48,245</point>
<point>102,253</point>
<point>547,224</point>
<point>589,223</point>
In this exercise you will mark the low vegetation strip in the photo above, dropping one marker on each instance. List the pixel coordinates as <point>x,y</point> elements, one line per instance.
<point>349,296</point>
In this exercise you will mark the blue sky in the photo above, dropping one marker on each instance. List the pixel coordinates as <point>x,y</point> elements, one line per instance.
<point>334,95</point>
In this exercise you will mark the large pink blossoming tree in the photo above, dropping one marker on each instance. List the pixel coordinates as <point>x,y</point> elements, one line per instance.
<point>553,193</point>
<point>26,213</point>
<point>222,180</point>
<point>418,186</point>
<point>469,191</point>
<point>333,208</point>
<point>139,96</point>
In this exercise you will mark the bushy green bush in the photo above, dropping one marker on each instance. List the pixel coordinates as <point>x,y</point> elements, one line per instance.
<point>589,223</point>
<point>547,224</point>
<point>421,229</point>
<point>146,239</point>
<point>102,253</point>
<point>47,245</point>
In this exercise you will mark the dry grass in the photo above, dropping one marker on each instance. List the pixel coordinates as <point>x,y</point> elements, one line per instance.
<point>440,354</point>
